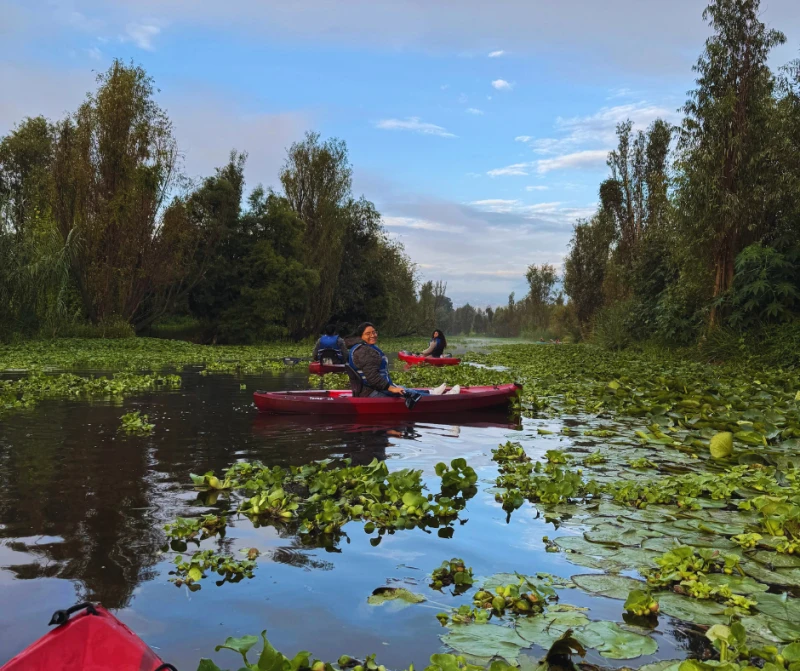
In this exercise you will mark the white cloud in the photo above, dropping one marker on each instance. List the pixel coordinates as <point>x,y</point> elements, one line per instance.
<point>141,34</point>
<point>496,54</point>
<point>420,224</point>
<point>474,110</point>
<point>515,169</point>
<point>415,125</point>
<point>598,129</point>
<point>619,93</point>
<point>444,87</point>
<point>590,158</point>
<point>502,85</point>
<point>462,98</point>
<point>94,53</point>
<point>539,187</point>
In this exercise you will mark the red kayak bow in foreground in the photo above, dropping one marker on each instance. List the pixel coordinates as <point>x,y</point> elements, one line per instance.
<point>94,640</point>
<point>413,359</point>
<point>342,402</point>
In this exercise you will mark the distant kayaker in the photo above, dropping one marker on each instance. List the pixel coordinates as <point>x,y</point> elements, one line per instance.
<point>368,368</point>
<point>330,346</point>
<point>437,345</point>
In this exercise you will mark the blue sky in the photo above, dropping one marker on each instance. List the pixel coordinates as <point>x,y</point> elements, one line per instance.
<point>478,128</point>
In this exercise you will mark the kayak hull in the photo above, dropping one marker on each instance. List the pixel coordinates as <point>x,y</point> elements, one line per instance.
<point>87,642</point>
<point>319,368</point>
<point>342,402</point>
<point>414,360</point>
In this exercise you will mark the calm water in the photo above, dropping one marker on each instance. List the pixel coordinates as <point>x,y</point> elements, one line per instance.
<point>82,510</point>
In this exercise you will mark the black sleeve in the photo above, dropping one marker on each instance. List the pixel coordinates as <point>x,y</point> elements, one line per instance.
<point>342,348</point>
<point>368,361</point>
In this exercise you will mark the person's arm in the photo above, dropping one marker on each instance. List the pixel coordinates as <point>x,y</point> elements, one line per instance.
<point>315,353</point>
<point>342,348</point>
<point>368,361</point>
<point>430,349</point>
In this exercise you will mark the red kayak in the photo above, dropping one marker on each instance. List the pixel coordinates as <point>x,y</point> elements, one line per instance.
<point>413,359</point>
<point>319,368</point>
<point>93,641</point>
<point>341,402</point>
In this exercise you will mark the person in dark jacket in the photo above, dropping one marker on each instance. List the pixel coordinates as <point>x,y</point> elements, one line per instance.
<point>437,345</point>
<point>331,346</point>
<point>368,367</point>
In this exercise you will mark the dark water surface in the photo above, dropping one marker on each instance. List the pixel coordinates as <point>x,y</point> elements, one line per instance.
<point>82,509</point>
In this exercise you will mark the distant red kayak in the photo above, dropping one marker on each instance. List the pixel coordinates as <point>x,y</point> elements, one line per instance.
<point>94,640</point>
<point>341,402</point>
<point>432,360</point>
<point>319,368</point>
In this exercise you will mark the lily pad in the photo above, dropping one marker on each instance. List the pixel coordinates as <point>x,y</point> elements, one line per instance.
<point>609,534</point>
<point>782,606</point>
<point>776,559</point>
<point>698,611</point>
<point>737,584</point>
<point>759,627</point>
<point>485,641</point>
<point>664,665</point>
<point>545,629</point>
<point>579,544</point>
<point>614,642</point>
<point>721,445</point>
<point>402,596</point>
<point>781,577</point>
<point>785,631</point>
<point>611,586</point>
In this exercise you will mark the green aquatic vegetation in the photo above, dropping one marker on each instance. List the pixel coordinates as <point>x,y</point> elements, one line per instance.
<point>556,457</point>
<point>27,391</point>
<point>273,503</point>
<point>641,464</point>
<point>459,477</point>
<point>526,482</point>
<point>135,423</point>
<point>453,572</point>
<point>208,481</point>
<point>594,459</point>
<point>398,595</point>
<point>523,597</point>
<point>465,615</point>
<point>641,603</point>
<point>191,570</point>
<point>509,454</point>
<point>747,541</point>
<point>189,529</point>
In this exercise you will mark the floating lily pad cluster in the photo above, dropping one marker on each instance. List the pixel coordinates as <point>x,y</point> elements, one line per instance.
<point>135,423</point>
<point>191,570</point>
<point>452,572</point>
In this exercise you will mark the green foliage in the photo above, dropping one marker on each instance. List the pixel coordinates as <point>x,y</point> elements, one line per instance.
<point>136,423</point>
<point>452,572</point>
<point>766,287</point>
<point>612,326</point>
<point>190,571</point>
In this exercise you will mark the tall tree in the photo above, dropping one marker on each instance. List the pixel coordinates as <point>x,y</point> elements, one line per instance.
<point>724,142</point>
<point>585,265</point>
<point>114,167</point>
<point>316,179</point>
<point>541,282</point>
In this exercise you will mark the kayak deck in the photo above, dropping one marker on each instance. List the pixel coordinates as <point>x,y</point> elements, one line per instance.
<point>319,368</point>
<point>413,359</point>
<point>342,402</point>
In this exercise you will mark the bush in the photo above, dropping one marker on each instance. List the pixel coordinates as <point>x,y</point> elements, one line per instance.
<point>113,328</point>
<point>612,326</point>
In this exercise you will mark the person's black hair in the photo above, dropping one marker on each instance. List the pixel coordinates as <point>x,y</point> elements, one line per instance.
<point>441,335</point>
<point>363,327</point>
<point>330,329</point>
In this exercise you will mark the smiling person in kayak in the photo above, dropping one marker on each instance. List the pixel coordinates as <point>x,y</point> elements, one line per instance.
<point>330,346</point>
<point>368,368</point>
<point>437,345</point>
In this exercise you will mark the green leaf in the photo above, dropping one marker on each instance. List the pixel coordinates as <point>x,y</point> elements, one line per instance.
<point>691,610</point>
<point>737,584</point>
<point>611,586</point>
<point>485,640</point>
<point>791,652</point>
<point>781,606</point>
<point>383,594</point>
<point>547,628</point>
<point>721,445</point>
<point>270,659</point>
<point>613,642</point>
<point>194,574</point>
<point>665,665</point>
<point>207,665</point>
<point>241,645</point>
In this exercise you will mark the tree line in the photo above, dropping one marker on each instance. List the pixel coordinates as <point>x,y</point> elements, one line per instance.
<point>697,234</point>
<point>99,227</point>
